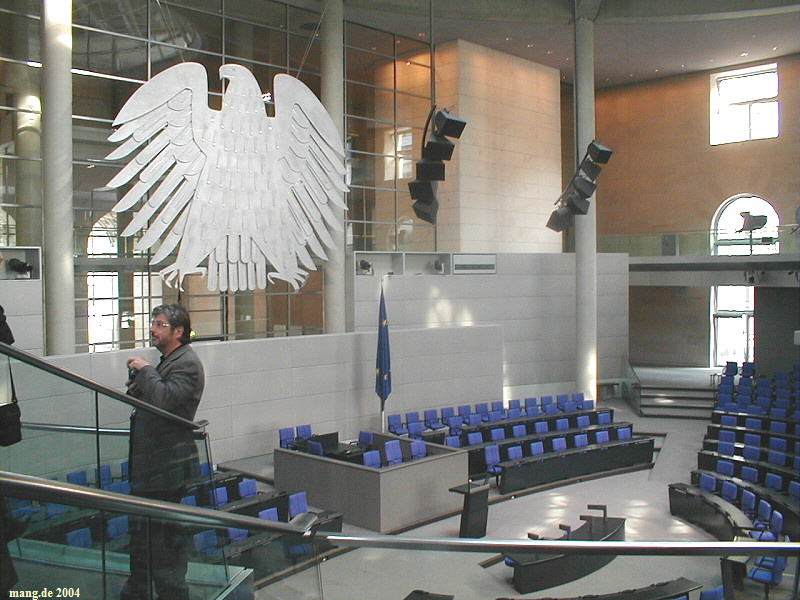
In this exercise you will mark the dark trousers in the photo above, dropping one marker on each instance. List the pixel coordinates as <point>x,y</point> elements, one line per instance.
<point>159,554</point>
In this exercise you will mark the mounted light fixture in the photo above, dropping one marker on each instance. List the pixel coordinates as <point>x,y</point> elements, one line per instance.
<point>574,200</point>
<point>430,168</point>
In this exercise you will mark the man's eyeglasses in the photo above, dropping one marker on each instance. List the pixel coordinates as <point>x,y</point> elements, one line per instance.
<point>159,324</point>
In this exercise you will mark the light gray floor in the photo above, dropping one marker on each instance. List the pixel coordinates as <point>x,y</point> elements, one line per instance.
<point>640,497</point>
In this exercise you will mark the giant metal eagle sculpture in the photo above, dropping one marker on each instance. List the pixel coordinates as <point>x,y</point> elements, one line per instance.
<point>251,193</point>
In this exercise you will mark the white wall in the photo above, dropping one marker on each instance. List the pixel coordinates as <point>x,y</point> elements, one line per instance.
<point>532,297</point>
<point>255,387</point>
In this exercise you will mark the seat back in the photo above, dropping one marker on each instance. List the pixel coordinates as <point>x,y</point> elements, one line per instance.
<point>235,534</point>
<point>531,406</point>
<point>624,433</point>
<point>364,439</point>
<point>394,456</point>
<point>515,453</point>
<point>81,538</point>
<point>447,412</point>
<point>372,458</point>
<point>315,448</point>
<point>536,448</point>
<point>286,436</point>
<point>205,541</point>
<point>519,430</point>
<point>474,437</point>
<point>726,435</point>
<point>603,418</point>
<point>562,424</point>
<point>601,437</point>
<point>415,429</point>
<point>453,441</point>
<point>724,467</point>
<point>726,448</point>
<point>77,478</point>
<point>418,450</point>
<point>221,495</point>
<point>559,444</point>
<point>247,488</point>
<point>491,455</point>
<point>541,427</point>
<point>298,504</point>
<point>750,474</point>
<point>412,417</point>
<point>495,416</point>
<point>497,435</point>
<point>269,514</point>
<point>730,491</point>
<point>514,404</point>
<point>498,405</point>
<point>773,481</point>
<point>303,432</point>
<point>582,421</point>
<point>752,439</point>
<point>751,453</point>
<point>395,423</point>
<point>117,527</point>
<point>708,482</point>
<point>581,440</point>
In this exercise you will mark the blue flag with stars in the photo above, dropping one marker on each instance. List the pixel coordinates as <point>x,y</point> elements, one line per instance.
<point>383,368</point>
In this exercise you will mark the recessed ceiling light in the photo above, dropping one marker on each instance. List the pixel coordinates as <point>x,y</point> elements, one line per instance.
<point>508,39</point>
<point>744,54</point>
<point>549,51</point>
<point>774,47</point>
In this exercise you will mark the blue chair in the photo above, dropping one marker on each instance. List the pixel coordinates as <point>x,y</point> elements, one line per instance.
<point>708,482</point>
<point>769,575</point>
<point>432,420</point>
<point>220,496</point>
<point>751,453</point>
<point>519,430</point>
<point>532,407</point>
<point>247,488</point>
<point>52,510</point>
<point>776,458</point>
<point>725,467</point>
<point>728,420</point>
<point>298,503</point>
<point>545,401</point>
<point>394,455</point>
<point>103,476</point>
<point>512,404</point>
<point>303,432</point>
<point>455,425</point>
<point>497,405</point>
<point>749,474</point>
<point>778,444</point>
<point>588,405</point>
<point>536,448</point>
<point>541,427</point>
<point>777,426</point>
<point>315,448</point>
<point>497,435</point>
<point>716,593</point>
<point>601,437</point>
<point>474,420</point>
<point>569,407</point>
<point>582,421</point>
<point>726,435</point>
<point>752,439</point>
<point>80,538</point>
<point>551,409</point>
<point>78,478</point>
<point>579,398</point>
<point>364,439</point>
<point>190,500</point>
<point>753,423</point>
<point>464,411</point>
<point>205,542</point>
<point>491,455</point>
<point>624,433</point>
<point>794,489</point>
<point>372,458</point>
<point>726,448</point>
<point>514,413</point>
<point>447,413</point>
<point>235,534</point>
<point>581,440</point>
<point>474,437</point>
<point>495,416</point>
<point>395,423</point>
<point>748,370</point>
<point>773,481</point>
<point>268,514</point>
<point>418,450</point>
<point>561,400</point>
<point>729,491</point>
<point>117,528</point>
<point>562,424</point>
<point>559,444</point>
<point>604,418</point>
<point>772,532</point>
<point>515,453</point>
<point>482,409</point>
<point>415,429</point>
<point>748,503</point>
<point>412,416</point>
<point>453,441</point>
<point>286,437</point>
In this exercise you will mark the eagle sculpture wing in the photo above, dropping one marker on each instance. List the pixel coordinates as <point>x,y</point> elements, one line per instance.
<point>250,193</point>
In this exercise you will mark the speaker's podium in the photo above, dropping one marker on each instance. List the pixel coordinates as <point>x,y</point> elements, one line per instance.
<point>475,510</point>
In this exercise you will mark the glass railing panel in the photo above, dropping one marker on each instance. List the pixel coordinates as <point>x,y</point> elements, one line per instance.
<point>85,553</point>
<point>698,243</point>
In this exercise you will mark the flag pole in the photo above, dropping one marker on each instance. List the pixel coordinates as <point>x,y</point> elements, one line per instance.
<point>383,370</point>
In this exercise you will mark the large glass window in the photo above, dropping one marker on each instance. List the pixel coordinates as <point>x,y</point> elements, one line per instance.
<point>744,105</point>
<point>116,48</point>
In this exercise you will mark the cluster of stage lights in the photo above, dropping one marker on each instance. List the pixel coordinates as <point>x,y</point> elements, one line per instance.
<point>430,170</point>
<point>574,200</point>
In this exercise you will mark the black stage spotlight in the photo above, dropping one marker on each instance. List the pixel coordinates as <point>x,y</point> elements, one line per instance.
<point>438,147</point>
<point>583,186</point>
<point>561,219</point>
<point>448,125</point>
<point>426,205</point>
<point>577,204</point>
<point>590,168</point>
<point>599,153</point>
<point>430,170</point>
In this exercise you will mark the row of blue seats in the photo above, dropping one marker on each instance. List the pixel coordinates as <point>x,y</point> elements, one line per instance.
<point>756,439</point>
<point>758,424</point>
<point>758,406</point>
<point>288,436</point>
<point>557,444</point>
<point>393,454</point>
<point>540,427</point>
<point>484,412</point>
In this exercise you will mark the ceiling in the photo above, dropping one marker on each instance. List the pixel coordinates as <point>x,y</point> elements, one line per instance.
<point>635,40</point>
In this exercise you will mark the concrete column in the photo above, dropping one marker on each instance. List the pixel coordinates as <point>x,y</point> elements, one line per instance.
<point>59,276</point>
<point>586,225</point>
<point>332,48</point>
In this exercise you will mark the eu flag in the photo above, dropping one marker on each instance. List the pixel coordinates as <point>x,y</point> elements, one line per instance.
<point>383,368</point>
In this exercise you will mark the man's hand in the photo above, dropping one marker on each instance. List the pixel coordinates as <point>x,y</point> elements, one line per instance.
<point>137,363</point>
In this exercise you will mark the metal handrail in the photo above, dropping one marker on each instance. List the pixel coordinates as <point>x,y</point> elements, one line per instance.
<point>33,488</point>
<point>746,547</point>
<point>15,485</point>
<point>48,367</point>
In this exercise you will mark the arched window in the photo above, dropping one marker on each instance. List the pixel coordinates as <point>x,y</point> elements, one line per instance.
<point>732,234</point>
